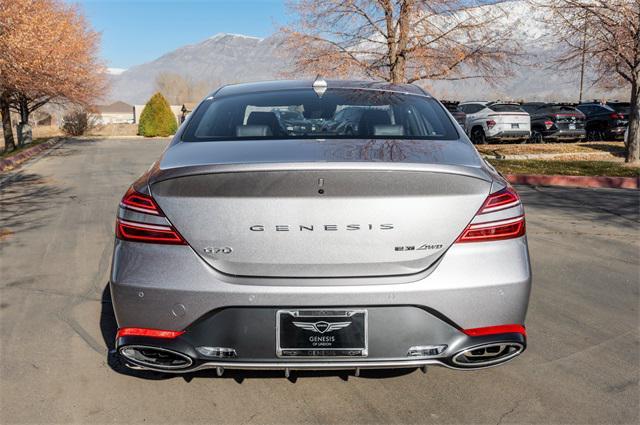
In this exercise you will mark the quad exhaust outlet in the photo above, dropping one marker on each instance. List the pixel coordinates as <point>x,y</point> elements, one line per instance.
<point>154,357</point>
<point>487,354</point>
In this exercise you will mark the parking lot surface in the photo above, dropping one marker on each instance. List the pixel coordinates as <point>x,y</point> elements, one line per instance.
<point>56,323</point>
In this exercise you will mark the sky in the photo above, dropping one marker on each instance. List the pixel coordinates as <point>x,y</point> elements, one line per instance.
<point>138,31</point>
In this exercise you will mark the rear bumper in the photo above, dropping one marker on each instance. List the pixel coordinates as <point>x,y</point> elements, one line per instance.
<point>392,332</point>
<point>504,135</point>
<point>564,134</point>
<point>169,287</point>
<point>616,132</point>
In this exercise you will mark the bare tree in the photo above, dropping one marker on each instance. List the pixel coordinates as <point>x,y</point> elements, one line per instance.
<point>48,54</point>
<point>401,41</point>
<point>604,36</point>
<point>178,89</point>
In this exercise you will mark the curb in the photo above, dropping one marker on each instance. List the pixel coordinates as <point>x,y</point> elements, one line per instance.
<point>13,161</point>
<point>575,181</point>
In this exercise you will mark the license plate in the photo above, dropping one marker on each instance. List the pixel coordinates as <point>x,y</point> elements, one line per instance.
<point>515,125</point>
<point>572,126</point>
<point>321,333</point>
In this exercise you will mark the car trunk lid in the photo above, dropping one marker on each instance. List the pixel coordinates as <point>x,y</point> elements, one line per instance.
<point>375,217</point>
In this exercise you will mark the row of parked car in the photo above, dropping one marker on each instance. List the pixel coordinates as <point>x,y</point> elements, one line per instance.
<point>540,122</point>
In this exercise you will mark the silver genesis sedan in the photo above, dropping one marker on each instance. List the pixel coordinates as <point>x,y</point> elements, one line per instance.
<point>369,234</point>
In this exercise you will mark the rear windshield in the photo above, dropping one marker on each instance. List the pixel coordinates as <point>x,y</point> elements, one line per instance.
<point>338,113</point>
<point>532,107</point>
<point>621,108</point>
<point>505,107</point>
<point>562,109</point>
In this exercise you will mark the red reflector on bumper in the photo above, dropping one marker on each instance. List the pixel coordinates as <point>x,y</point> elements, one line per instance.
<point>494,330</point>
<point>153,333</point>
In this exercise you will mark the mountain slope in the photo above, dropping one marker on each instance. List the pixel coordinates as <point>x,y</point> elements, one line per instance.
<point>221,59</point>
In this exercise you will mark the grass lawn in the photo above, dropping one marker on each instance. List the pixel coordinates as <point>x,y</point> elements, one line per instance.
<point>613,148</point>
<point>565,168</point>
<point>17,150</point>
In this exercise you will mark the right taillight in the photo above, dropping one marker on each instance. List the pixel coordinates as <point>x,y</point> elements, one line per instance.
<point>492,229</point>
<point>502,199</point>
<point>136,231</point>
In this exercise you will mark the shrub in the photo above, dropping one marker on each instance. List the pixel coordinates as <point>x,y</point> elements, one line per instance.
<point>77,122</point>
<point>156,118</point>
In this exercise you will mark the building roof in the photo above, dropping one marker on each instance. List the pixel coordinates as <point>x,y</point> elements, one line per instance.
<point>116,107</point>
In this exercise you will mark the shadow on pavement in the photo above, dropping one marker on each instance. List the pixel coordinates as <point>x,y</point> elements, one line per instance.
<point>109,327</point>
<point>611,206</point>
<point>26,202</point>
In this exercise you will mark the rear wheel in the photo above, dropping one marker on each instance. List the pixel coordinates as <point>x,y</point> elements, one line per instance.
<point>478,137</point>
<point>594,135</point>
<point>536,137</point>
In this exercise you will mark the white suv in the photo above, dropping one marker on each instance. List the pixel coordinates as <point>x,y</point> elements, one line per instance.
<point>499,121</point>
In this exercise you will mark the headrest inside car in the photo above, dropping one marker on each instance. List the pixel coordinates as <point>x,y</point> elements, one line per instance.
<point>253,131</point>
<point>388,130</point>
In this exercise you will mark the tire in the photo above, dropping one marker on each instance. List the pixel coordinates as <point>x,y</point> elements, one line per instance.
<point>478,137</point>
<point>536,137</point>
<point>594,136</point>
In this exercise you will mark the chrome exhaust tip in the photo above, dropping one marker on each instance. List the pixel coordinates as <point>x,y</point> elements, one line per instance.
<point>154,358</point>
<point>487,354</point>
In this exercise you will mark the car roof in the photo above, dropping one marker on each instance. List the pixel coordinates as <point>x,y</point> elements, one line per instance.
<point>277,85</point>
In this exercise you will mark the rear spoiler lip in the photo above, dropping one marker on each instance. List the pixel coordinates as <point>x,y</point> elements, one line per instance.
<point>161,174</point>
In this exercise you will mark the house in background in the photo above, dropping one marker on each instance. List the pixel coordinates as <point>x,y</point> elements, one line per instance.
<point>116,113</point>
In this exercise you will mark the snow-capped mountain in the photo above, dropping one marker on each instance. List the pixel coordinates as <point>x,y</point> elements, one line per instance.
<point>227,58</point>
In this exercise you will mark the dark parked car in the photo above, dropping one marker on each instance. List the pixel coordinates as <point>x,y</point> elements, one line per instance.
<point>357,120</point>
<point>622,108</point>
<point>604,122</point>
<point>555,122</point>
<point>455,110</point>
<point>292,122</point>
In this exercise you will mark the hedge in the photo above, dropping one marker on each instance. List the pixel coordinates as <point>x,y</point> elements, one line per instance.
<point>157,119</point>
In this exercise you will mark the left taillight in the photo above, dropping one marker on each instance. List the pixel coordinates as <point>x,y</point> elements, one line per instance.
<point>495,230</point>
<point>145,232</point>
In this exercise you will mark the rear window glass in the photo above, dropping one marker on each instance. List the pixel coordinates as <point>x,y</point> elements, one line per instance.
<point>532,108</point>
<point>621,108</point>
<point>561,109</point>
<point>338,113</point>
<point>505,107</point>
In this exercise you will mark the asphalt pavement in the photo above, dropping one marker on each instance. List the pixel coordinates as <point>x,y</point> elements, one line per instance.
<point>56,323</point>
